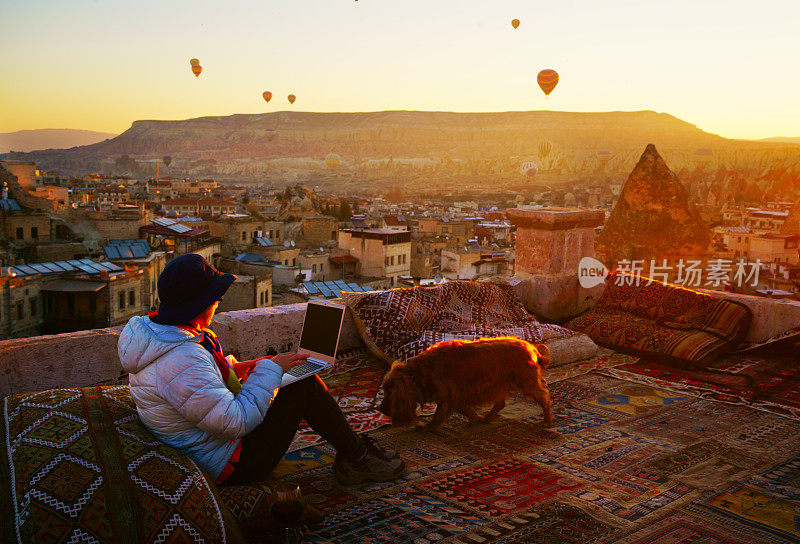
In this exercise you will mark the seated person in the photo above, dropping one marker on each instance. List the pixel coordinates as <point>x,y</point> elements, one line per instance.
<point>220,412</point>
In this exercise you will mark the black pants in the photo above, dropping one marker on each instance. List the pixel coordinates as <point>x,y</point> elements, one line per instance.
<point>264,447</point>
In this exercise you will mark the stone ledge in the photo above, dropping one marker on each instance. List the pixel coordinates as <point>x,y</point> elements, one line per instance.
<point>554,218</point>
<point>771,316</point>
<point>84,358</point>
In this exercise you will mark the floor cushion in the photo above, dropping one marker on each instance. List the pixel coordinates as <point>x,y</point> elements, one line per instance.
<point>79,466</point>
<point>401,323</point>
<point>665,322</point>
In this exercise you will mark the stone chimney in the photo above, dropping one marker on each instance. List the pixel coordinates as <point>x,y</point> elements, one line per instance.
<point>550,244</point>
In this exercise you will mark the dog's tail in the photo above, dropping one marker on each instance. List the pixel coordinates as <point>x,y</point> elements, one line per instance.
<point>543,353</point>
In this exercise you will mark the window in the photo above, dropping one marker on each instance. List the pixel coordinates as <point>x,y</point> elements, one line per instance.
<point>386,261</point>
<point>32,304</point>
<point>35,233</point>
<point>244,236</point>
<point>313,269</point>
<point>286,262</point>
<point>122,301</point>
<point>320,267</point>
<point>20,311</point>
<point>20,234</point>
<point>294,262</point>
<point>391,260</point>
<point>132,297</point>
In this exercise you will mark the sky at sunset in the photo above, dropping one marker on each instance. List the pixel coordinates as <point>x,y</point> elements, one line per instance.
<point>731,67</point>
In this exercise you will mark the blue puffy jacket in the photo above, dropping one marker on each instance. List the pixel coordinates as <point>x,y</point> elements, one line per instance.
<point>180,395</point>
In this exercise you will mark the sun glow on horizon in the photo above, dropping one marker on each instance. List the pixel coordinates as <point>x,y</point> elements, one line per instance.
<point>722,66</point>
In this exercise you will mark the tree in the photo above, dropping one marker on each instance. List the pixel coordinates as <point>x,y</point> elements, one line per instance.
<point>344,211</point>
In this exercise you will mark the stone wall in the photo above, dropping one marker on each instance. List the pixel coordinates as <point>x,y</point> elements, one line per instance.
<point>90,357</point>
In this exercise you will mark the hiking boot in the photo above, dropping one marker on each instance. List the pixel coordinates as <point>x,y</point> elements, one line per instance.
<point>371,467</point>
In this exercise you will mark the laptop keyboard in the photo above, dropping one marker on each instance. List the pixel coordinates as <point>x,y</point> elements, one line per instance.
<point>310,366</point>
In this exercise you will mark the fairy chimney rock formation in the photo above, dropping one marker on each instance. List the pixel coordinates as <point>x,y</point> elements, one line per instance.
<point>654,218</point>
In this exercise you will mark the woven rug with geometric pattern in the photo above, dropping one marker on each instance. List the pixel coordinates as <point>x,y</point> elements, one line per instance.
<point>624,462</point>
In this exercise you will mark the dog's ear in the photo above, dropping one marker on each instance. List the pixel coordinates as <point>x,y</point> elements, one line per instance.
<point>544,355</point>
<point>404,399</point>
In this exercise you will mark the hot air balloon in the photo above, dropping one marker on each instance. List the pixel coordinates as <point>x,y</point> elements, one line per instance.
<point>332,160</point>
<point>194,62</point>
<point>267,95</point>
<point>528,169</point>
<point>515,23</point>
<point>291,98</point>
<point>545,148</point>
<point>547,79</point>
<point>271,135</point>
<point>604,155</point>
<point>166,160</point>
<point>197,70</point>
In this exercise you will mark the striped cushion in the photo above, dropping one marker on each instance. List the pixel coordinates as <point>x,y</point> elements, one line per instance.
<point>662,321</point>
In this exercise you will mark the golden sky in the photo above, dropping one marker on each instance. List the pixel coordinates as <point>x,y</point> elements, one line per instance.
<point>730,67</point>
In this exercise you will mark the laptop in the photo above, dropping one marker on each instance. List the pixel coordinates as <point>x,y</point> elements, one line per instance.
<point>319,339</point>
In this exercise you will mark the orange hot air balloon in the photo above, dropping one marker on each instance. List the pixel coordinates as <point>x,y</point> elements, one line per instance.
<point>197,70</point>
<point>547,79</point>
<point>267,95</point>
<point>194,62</point>
<point>515,23</point>
<point>291,98</point>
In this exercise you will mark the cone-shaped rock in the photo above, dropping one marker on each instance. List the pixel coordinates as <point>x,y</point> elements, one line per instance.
<point>654,218</point>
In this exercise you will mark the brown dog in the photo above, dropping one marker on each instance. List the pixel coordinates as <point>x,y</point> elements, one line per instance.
<point>460,375</point>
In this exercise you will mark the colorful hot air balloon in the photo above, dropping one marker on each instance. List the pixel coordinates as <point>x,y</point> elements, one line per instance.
<point>197,70</point>
<point>194,62</point>
<point>291,98</point>
<point>166,159</point>
<point>515,23</point>
<point>332,160</point>
<point>604,155</point>
<point>267,95</point>
<point>544,149</point>
<point>528,169</point>
<point>547,79</point>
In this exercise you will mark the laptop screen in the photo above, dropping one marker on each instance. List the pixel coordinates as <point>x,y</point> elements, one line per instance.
<point>321,329</point>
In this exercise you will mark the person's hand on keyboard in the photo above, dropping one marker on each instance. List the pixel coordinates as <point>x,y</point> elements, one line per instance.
<point>288,360</point>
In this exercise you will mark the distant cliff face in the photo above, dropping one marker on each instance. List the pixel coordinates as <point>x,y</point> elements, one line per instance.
<point>390,133</point>
<point>653,218</point>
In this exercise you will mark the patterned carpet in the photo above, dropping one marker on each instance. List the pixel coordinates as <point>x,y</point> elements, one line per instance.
<point>624,463</point>
<point>767,378</point>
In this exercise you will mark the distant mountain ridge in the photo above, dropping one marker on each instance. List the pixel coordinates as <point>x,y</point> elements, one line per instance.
<point>415,133</point>
<point>783,139</point>
<point>49,138</point>
<point>253,145</point>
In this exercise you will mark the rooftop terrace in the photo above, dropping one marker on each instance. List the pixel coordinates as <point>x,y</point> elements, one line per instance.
<point>640,450</point>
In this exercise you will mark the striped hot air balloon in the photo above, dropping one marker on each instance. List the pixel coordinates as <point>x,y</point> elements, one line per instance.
<point>515,23</point>
<point>547,79</point>
<point>291,98</point>
<point>528,169</point>
<point>197,70</point>
<point>267,96</point>
<point>545,148</point>
<point>167,160</point>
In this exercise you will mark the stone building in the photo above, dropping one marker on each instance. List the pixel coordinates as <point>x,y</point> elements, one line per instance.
<point>320,229</point>
<point>90,301</point>
<point>381,253</point>
<point>20,306</point>
<point>239,233</point>
<point>247,292</point>
<point>469,264</point>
